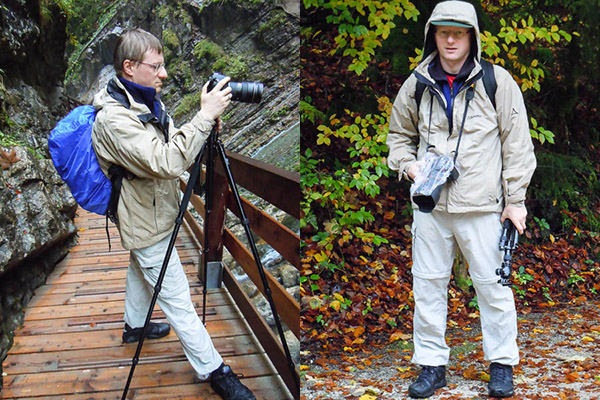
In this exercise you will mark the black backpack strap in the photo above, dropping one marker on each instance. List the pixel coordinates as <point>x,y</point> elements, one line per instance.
<point>489,81</point>
<point>116,174</point>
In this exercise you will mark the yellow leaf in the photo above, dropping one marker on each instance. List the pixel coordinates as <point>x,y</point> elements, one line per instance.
<point>552,238</point>
<point>304,368</point>
<point>587,339</point>
<point>335,305</point>
<point>345,278</point>
<point>484,376</point>
<point>400,336</point>
<point>320,257</point>
<point>538,330</point>
<point>367,397</point>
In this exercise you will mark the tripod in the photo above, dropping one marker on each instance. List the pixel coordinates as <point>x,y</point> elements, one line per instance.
<point>508,242</point>
<point>212,147</point>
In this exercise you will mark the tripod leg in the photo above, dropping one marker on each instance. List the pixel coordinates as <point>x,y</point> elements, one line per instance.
<point>182,208</point>
<point>259,266</point>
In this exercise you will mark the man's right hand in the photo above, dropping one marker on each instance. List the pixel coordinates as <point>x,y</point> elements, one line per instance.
<point>213,103</point>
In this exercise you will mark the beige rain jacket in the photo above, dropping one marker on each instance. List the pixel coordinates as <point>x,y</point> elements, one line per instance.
<point>495,157</point>
<point>149,203</point>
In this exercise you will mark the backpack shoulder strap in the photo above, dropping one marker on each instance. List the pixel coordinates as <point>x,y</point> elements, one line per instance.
<point>489,80</point>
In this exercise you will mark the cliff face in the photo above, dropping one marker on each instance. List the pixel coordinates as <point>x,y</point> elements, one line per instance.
<point>255,41</point>
<point>35,208</point>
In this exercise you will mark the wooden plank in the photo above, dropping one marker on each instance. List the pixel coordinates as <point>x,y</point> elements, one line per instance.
<point>280,237</point>
<point>107,322</point>
<point>107,338</point>
<point>264,387</point>
<point>103,379</point>
<point>213,298</point>
<point>110,307</point>
<point>153,351</point>
<point>276,185</point>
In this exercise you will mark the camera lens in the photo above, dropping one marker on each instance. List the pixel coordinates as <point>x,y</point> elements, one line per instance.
<point>247,92</point>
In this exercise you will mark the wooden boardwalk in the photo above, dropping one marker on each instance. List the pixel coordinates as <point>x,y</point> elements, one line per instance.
<point>70,344</point>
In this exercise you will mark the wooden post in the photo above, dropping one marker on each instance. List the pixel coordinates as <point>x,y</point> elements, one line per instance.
<point>220,191</point>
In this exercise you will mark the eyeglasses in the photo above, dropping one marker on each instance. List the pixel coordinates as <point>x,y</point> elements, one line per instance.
<point>156,67</point>
<point>458,35</point>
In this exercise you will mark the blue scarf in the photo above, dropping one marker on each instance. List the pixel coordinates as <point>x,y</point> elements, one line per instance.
<point>144,95</point>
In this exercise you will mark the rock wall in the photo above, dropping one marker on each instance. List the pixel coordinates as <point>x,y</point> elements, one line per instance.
<point>255,41</point>
<point>36,209</point>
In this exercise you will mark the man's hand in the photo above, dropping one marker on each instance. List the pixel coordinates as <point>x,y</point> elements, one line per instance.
<point>213,103</point>
<point>517,214</point>
<point>413,170</point>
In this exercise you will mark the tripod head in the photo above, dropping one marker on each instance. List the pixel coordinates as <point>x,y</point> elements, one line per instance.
<point>508,242</point>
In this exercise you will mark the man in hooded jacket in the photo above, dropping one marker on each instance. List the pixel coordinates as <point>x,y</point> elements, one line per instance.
<point>495,162</point>
<point>132,130</point>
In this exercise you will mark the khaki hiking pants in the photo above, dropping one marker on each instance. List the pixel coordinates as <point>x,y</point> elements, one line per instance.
<point>174,300</point>
<point>436,237</point>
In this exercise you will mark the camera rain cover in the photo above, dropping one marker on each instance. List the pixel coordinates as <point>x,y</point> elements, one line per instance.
<point>433,174</point>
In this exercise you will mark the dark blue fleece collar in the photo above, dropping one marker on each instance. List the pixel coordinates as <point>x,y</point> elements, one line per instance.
<point>144,95</point>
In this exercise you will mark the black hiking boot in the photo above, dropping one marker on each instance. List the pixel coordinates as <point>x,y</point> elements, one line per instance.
<point>155,331</point>
<point>227,385</point>
<point>501,380</point>
<point>430,379</point>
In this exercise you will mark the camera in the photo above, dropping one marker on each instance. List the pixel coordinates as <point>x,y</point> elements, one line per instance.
<point>246,92</point>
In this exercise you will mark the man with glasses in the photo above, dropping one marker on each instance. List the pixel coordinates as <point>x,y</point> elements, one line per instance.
<point>132,130</point>
<point>494,161</point>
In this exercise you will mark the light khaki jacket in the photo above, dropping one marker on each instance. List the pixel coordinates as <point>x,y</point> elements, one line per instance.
<point>149,203</point>
<point>495,158</point>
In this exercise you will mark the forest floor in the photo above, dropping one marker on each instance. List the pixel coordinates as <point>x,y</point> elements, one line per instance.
<point>559,346</point>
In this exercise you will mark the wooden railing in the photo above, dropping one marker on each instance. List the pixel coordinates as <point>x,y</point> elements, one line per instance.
<point>282,189</point>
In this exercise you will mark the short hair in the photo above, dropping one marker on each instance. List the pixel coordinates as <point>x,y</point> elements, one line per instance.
<point>132,45</point>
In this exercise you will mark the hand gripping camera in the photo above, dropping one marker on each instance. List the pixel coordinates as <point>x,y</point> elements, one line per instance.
<point>245,92</point>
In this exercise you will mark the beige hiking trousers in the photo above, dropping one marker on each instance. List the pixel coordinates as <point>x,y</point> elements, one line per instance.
<point>174,300</point>
<point>436,238</point>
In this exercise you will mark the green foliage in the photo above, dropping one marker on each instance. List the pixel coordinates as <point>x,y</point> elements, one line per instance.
<point>208,50</point>
<point>504,48</point>
<point>564,184</point>
<point>170,39</point>
<point>234,66</point>
<point>308,112</point>
<point>189,103</point>
<point>362,25</point>
<point>10,140</point>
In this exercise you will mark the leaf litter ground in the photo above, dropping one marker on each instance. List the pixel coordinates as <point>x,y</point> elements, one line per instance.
<point>559,347</point>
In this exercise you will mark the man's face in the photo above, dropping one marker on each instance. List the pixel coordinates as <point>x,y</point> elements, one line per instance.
<point>144,73</point>
<point>453,43</point>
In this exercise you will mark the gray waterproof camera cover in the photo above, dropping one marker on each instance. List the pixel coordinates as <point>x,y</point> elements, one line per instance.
<point>431,178</point>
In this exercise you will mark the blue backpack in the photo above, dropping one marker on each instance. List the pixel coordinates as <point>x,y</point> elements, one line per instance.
<point>70,145</point>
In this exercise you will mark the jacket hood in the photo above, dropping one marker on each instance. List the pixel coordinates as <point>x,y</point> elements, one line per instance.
<point>456,11</point>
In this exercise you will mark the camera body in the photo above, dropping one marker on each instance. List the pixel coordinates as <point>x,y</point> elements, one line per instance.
<point>245,92</point>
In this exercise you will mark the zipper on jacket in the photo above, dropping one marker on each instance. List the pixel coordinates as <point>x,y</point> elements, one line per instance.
<point>466,84</point>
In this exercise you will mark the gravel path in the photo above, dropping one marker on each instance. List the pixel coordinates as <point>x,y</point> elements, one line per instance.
<point>559,345</point>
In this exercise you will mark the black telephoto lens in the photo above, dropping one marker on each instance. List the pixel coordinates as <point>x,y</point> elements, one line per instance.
<point>246,92</point>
